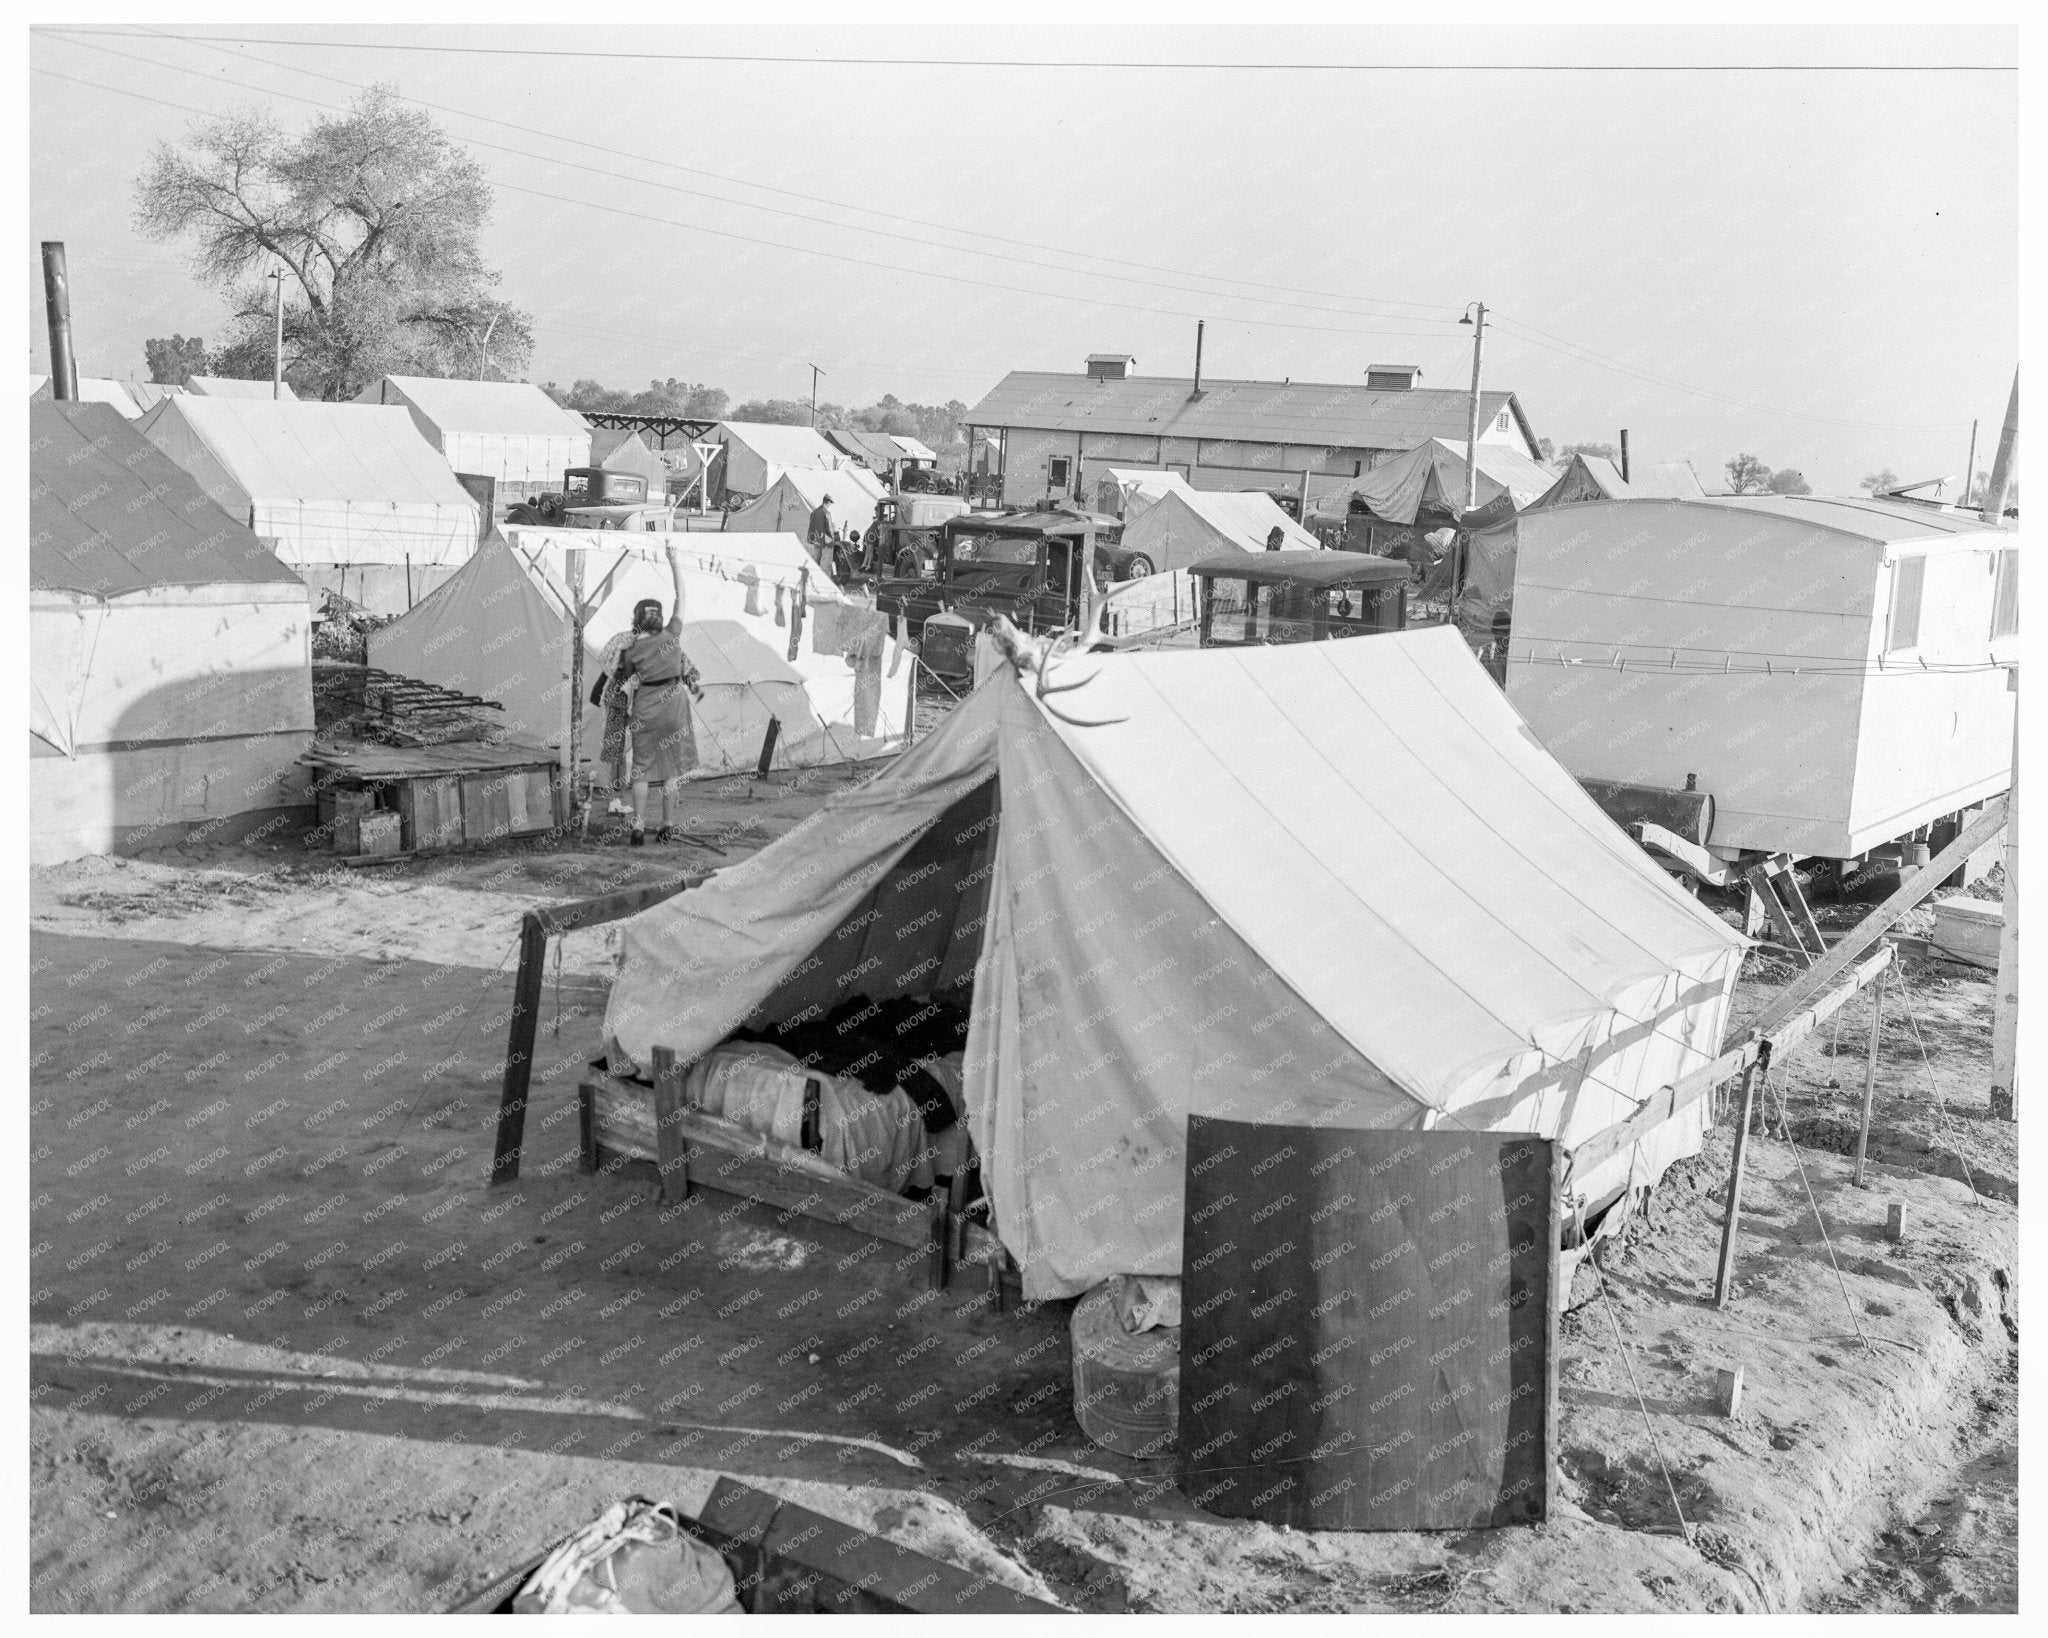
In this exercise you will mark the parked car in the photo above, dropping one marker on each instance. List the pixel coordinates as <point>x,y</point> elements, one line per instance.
<point>1298,597</point>
<point>1025,565</point>
<point>592,498</point>
<point>904,538</point>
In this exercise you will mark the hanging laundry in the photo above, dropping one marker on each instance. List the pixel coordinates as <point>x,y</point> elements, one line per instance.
<point>796,613</point>
<point>750,577</point>
<point>778,604</point>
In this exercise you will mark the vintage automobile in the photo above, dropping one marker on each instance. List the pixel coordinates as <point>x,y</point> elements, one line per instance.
<point>1298,597</point>
<point>1025,565</point>
<point>904,538</point>
<point>592,498</point>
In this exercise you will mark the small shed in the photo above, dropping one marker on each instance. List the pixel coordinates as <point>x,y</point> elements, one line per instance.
<point>507,430</point>
<point>170,668</point>
<point>350,495</point>
<point>1829,671</point>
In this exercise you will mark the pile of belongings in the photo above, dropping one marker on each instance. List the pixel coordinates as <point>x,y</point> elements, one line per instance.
<point>890,1075</point>
<point>633,1559</point>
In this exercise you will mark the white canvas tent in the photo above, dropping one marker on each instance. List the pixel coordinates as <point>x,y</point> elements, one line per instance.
<point>226,386</point>
<point>170,682</point>
<point>1488,575</point>
<point>1137,488</point>
<point>1331,882</point>
<point>1182,528</point>
<point>1428,483</point>
<point>507,430</point>
<point>500,629</point>
<point>330,484</point>
<point>759,452</point>
<point>93,389</point>
<point>791,499</point>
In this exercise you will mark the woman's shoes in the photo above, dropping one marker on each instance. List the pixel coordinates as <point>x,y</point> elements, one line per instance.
<point>639,837</point>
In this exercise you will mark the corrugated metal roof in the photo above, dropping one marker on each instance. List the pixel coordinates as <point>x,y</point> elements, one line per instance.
<point>109,512</point>
<point>1260,412</point>
<point>515,409</point>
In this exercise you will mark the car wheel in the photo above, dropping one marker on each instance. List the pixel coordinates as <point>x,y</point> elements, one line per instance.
<point>1137,568</point>
<point>907,565</point>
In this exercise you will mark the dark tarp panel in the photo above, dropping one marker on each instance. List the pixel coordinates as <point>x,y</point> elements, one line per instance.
<point>1368,1328</point>
<point>109,513</point>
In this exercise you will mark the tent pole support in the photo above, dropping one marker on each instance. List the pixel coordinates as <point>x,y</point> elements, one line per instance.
<point>1870,1076</point>
<point>526,997</point>
<point>1752,1077</point>
<point>574,555</point>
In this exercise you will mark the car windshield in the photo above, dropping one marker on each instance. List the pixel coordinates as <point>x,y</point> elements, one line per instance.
<point>995,549</point>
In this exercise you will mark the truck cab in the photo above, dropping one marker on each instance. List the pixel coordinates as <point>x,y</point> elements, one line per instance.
<point>593,498</point>
<point>1023,565</point>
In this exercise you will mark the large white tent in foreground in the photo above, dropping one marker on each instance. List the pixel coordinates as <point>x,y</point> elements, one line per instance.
<point>1336,883</point>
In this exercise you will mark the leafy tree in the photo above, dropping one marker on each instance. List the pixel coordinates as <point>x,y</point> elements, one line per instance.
<point>174,360</point>
<point>1785,481</point>
<point>1545,450</point>
<point>789,412</point>
<point>375,216</point>
<point>1882,479</point>
<point>1747,475</point>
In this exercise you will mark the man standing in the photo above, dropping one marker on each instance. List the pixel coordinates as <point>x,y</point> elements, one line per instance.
<point>823,533</point>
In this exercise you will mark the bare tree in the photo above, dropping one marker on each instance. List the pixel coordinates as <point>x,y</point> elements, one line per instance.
<point>375,215</point>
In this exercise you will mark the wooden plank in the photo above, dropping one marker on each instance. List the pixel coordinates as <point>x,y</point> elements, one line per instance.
<point>540,798</point>
<point>722,1156</point>
<point>526,996</point>
<point>1874,926</point>
<point>630,901</point>
<point>672,1148</point>
<point>515,804</point>
<point>1870,1075</point>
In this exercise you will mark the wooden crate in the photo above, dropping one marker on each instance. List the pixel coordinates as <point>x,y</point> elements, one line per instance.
<point>378,834</point>
<point>486,808</point>
<point>430,812</point>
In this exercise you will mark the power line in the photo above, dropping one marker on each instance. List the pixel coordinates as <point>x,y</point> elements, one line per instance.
<point>1120,66</point>
<point>778,244</point>
<point>851,227</point>
<point>789,193</point>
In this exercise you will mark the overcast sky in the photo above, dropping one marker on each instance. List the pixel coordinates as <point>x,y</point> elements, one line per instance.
<point>1818,266</point>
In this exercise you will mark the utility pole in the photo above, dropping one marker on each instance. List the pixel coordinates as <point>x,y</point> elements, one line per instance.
<point>1624,454</point>
<point>57,300</point>
<point>1970,466</point>
<point>277,349</point>
<point>815,373</point>
<point>1472,425</point>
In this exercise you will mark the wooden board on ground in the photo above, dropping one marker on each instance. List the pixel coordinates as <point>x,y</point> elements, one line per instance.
<point>724,1157</point>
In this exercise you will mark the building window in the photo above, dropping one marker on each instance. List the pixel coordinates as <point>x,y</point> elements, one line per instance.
<point>1909,580</point>
<point>1502,423</point>
<point>2005,596</point>
<point>1358,469</point>
<point>1062,472</point>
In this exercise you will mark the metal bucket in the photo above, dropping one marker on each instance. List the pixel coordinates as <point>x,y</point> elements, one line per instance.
<point>1126,1385</point>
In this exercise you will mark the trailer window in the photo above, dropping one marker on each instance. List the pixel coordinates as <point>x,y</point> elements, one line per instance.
<point>1909,579</point>
<point>2005,596</point>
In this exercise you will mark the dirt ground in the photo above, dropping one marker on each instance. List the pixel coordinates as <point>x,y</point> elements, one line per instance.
<point>290,1352</point>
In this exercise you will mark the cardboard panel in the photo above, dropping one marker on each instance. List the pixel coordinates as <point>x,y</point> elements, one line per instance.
<point>1369,1327</point>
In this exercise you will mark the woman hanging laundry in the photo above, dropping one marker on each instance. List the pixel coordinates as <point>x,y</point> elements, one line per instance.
<point>664,742</point>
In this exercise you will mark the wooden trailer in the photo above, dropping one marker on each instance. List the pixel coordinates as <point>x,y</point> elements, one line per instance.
<point>1830,674</point>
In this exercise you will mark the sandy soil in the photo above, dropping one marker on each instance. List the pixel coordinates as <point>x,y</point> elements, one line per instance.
<point>289,1352</point>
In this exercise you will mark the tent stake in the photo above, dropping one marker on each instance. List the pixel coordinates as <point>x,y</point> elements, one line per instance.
<point>1751,1077</point>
